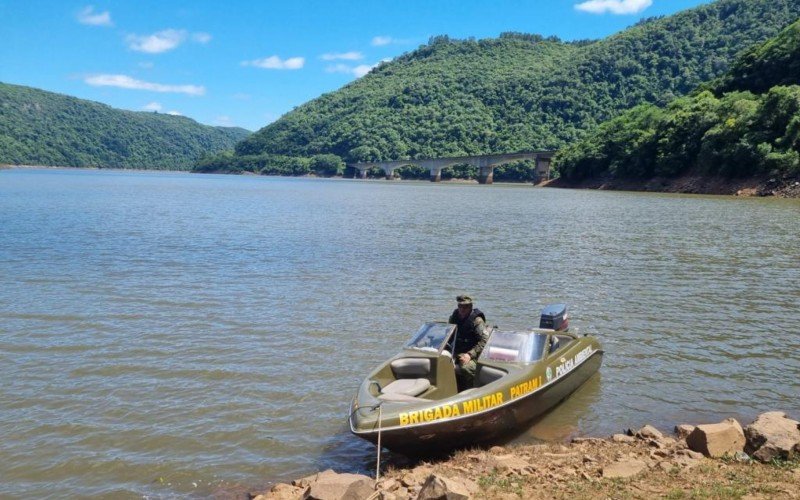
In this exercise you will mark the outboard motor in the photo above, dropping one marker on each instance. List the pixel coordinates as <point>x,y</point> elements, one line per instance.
<point>555,317</point>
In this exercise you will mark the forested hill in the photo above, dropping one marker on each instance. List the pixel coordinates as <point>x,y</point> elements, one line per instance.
<point>517,92</point>
<point>744,124</point>
<point>43,128</point>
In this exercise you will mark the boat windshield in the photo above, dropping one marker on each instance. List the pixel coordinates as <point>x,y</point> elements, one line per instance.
<point>431,337</point>
<point>517,347</point>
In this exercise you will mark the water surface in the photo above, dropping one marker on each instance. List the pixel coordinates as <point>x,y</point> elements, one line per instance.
<point>166,334</point>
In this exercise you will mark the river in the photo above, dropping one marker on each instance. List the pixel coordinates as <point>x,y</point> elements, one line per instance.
<point>169,334</point>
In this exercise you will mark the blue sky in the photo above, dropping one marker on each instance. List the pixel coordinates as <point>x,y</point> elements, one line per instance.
<point>245,63</point>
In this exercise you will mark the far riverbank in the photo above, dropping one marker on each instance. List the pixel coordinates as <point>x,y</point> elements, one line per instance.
<point>688,184</point>
<point>692,184</point>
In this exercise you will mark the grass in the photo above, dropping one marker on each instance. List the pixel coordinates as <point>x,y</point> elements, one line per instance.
<point>502,484</point>
<point>785,464</point>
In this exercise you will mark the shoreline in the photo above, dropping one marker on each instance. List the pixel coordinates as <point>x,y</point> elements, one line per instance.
<point>720,460</point>
<point>763,186</point>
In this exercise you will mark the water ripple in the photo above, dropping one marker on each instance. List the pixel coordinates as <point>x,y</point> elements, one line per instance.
<point>161,334</point>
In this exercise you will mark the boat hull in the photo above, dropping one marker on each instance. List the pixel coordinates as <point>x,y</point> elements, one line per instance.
<point>503,420</point>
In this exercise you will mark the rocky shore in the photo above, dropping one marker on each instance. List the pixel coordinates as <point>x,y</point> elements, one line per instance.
<point>721,460</point>
<point>780,187</point>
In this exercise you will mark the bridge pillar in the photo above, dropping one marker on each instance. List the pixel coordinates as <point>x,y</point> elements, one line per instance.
<point>362,173</point>
<point>543,167</point>
<point>436,174</point>
<point>389,173</point>
<point>486,175</point>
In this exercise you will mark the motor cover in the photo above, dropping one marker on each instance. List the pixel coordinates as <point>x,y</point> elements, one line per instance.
<point>555,317</point>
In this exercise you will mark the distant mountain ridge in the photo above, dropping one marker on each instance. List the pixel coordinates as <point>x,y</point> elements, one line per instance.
<point>517,92</point>
<point>44,128</point>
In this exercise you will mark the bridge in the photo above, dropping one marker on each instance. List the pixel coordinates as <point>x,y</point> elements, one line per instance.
<point>484,163</point>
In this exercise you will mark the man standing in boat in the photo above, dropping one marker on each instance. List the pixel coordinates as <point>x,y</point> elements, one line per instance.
<point>470,339</point>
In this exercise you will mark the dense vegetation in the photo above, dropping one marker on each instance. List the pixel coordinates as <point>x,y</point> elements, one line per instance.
<point>515,93</point>
<point>745,123</point>
<point>43,128</point>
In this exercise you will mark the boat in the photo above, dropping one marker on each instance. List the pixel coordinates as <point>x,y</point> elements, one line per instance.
<point>410,404</point>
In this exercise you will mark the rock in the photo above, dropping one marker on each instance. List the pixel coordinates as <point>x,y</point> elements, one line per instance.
<point>741,456</point>
<point>283,491</point>
<point>687,461</point>
<point>511,463</point>
<point>691,454</point>
<point>329,485</point>
<point>438,487</point>
<point>360,489</point>
<point>683,430</point>
<point>668,442</point>
<point>622,438</point>
<point>387,485</point>
<point>579,440</point>
<point>659,453</point>
<point>773,435</point>
<point>715,440</point>
<point>649,432</point>
<point>497,449</point>
<point>416,476</point>
<point>624,468</point>
<point>665,466</point>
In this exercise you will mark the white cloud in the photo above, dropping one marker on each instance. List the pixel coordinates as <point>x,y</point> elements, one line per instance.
<point>164,40</point>
<point>381,40</point>
<point>174,113</point>
<point>126,82</point>
<point>152,106</point>
<point>92,18</point>
<point>157,42</point>
<point>345,56</point>
<point>357,71</point>
<point>201,37</point>
<point>241,96</point>
<point>275,62</point>
<point>362,69</point>
<point>614,6</point>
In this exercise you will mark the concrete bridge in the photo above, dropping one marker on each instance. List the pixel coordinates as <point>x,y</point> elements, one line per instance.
<point>484,163</point>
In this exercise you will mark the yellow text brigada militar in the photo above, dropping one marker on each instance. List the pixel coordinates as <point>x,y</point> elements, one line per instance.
<point>449,411</point>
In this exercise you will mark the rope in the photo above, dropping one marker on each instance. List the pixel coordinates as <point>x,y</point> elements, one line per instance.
<point>378,464</point>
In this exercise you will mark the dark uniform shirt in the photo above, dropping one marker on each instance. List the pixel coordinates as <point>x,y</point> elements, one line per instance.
<point>470,333</point>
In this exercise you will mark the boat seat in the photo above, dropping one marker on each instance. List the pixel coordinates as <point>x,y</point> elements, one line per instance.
<point>411,368</point>
<point>488,374</point>
<point>407,387</point>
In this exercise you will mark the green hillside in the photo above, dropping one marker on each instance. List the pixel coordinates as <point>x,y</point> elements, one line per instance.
<point>746,123</point>
<point>517,92</point>
<point>43,128</point>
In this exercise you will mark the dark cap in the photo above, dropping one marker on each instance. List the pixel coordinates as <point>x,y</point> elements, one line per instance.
<point>464,300</point>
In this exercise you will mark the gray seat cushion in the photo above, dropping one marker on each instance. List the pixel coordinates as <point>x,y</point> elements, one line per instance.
<point>411,367</point>
<point>407,386</point>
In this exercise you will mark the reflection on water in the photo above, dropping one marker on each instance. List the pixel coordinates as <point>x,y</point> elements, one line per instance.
<point>566,420</point>
<point>163,333</point>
